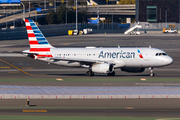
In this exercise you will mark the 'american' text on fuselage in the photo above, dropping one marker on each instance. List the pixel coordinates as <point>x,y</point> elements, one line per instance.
<point>117,54</point>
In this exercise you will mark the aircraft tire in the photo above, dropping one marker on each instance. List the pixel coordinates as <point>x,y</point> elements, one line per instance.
<point>89,73</point>
<point>152,74</point>
<point>111,74</point>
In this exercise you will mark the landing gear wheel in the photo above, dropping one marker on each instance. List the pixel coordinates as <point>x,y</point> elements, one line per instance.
<point>89,73</point>
<point>151,70</point>
<point>152,74</point>
<point>111,74</point>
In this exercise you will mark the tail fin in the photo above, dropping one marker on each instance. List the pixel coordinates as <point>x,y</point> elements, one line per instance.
<point>36,38</point>
<point>39,46</point>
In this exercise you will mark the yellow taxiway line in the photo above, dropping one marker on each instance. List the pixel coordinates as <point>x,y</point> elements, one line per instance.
<point>15,67</point>
<point>34,111</point>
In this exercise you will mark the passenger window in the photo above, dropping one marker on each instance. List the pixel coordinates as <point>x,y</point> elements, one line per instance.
<point>156,54</point>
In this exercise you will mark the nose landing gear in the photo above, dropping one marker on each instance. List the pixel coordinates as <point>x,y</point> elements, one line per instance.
<point>151,72</point>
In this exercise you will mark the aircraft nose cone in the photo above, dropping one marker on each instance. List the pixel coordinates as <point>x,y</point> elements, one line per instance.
<point>169,61</point>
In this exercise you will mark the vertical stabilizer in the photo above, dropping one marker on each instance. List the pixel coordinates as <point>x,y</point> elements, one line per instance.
<point>36,38</point>
<point>39,46</point>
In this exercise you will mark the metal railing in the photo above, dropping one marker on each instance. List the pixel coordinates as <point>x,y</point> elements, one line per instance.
<point>149,26</point>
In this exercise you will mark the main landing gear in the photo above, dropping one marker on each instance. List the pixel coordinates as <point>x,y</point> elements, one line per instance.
<point>90,73</point>
<point>111,74</point>
<point>151,72</point>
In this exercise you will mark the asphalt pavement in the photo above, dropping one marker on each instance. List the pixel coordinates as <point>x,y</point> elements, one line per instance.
<point>166,76</point>
<point>164,108</point>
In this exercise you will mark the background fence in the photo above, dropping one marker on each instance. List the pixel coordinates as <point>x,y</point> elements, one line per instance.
<point>62,29</point>
<point>147,26</point>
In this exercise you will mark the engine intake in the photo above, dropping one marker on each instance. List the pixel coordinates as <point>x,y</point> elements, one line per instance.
<point>103,68</point>
<point>133,70</point>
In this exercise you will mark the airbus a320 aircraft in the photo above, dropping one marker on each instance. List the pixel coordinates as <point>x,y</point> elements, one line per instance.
<point>97,60</point>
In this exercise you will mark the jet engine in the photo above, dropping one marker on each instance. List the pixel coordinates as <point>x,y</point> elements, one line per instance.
<point>133,70</point>
<point>103,68</point>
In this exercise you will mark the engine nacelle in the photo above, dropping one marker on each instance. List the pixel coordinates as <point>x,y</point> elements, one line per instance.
<point>103,68</point>
<point>133,70</point>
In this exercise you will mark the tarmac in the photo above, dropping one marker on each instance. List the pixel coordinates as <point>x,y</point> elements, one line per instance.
<point>41,78</point>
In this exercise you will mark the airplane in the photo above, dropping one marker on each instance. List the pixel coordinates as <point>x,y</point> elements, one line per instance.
<point>96,60</point>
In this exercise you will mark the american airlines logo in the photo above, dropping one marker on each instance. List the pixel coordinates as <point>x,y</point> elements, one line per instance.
<point>117,54</point>
<point>140,55</point>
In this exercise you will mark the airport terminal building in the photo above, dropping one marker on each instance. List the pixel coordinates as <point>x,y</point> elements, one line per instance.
<point>158,11</point>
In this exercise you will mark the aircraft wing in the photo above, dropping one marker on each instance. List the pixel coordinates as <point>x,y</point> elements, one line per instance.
<point>85,61</point>
<point>117,64</point>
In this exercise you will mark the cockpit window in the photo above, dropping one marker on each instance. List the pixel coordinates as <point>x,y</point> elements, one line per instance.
<point>164,53</point>
<point>161,54</point>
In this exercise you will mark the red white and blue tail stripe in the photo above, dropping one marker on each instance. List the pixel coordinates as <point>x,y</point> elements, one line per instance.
<point>37,41</point>
<point>36,38</point>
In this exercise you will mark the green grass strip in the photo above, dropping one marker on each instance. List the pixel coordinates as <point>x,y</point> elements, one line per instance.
<point>88,80</point>
<point>120,79</point>
<point>102,79</point>
<point>36,107</point>
<point>74,118</point>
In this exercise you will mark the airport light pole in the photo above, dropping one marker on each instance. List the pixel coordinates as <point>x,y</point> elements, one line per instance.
<point>98,17</point>
<point>45,4</point>
<point>6,20</point>
<point>29,7</point>
<point>23,11</point>
<point>14,20</point>
<point>137,11</point>
<point>66,16</point>
<point>6,16</point>
<point>76,17</point>
<point>54,5</point>
<point>112,20</point>
<point>166,14</point>
<point>66,3</point>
